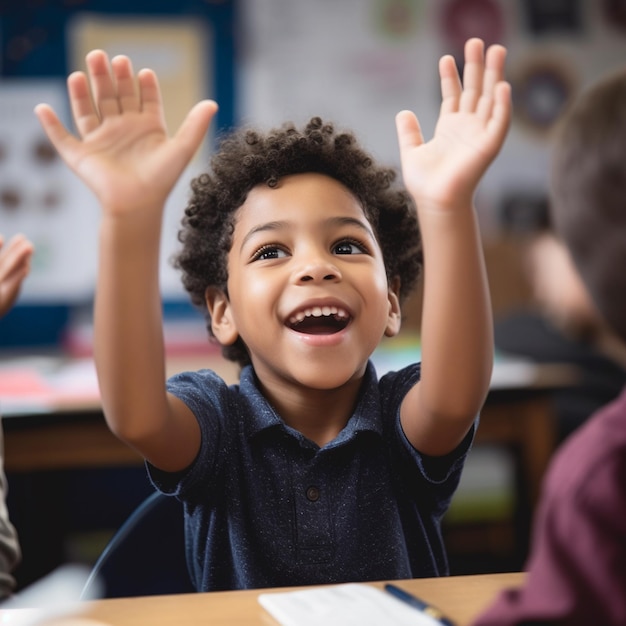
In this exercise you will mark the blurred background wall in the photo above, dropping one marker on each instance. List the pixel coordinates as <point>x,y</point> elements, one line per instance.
<point>356,62</point>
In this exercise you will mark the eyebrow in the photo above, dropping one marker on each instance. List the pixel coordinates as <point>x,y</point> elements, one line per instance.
<point>333,221</point>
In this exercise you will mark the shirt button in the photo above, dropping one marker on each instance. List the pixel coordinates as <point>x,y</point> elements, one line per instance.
<point>313,494</point>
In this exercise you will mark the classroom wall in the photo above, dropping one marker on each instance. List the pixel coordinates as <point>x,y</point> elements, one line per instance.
<point>191,44</point>
<point>356,62</point>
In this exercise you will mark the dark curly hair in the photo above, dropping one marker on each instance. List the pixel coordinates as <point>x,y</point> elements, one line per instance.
<point>247,158</point>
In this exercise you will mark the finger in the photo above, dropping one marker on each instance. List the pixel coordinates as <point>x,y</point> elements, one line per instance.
<point>15,257</point>
<point>194,127</point>
<point>24,246</point>
<point>473,73</point>
<point>85,115</point>
<point>150,92</point>
<point>102,85</point>
<point>64,142</point>
<point>15,241</point>
<point>450,84</point>
<point>501,115</point>
<point>125,80</point>
<point>10,288</point>
<point>494,67</point>
<point>10,284</point>
<point>494,75</point>
<point>409,131</point>
<point>14,267</point>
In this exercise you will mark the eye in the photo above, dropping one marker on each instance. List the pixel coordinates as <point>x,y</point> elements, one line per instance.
<point>349,246</point>
<point>269,252</point>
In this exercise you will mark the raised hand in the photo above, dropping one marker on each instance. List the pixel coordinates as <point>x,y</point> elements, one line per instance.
<point>14,267</point>
<point>473,122</point>
<point>123,152</point>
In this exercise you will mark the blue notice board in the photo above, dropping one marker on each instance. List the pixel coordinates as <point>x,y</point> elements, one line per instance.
<point>34,37</point>
<point>38,42</point>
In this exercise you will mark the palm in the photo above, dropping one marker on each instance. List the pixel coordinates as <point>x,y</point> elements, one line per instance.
<point>127,157</point>
<point>124,153</point>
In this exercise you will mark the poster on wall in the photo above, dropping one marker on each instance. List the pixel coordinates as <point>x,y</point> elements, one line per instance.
<point>41,197</point>
<point>178,49</point>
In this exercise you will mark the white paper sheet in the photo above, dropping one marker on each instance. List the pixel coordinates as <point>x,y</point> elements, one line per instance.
<point>350,604</point>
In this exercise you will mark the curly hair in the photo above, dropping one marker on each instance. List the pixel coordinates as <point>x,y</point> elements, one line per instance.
<point>247,158</point>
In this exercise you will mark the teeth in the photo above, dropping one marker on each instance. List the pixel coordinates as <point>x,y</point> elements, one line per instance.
<point>318,311</point>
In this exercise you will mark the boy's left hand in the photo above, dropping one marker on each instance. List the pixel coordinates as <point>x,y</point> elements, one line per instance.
<point>473,121</point>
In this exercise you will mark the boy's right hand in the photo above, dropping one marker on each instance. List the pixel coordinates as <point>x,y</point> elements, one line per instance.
<point>124,153</point>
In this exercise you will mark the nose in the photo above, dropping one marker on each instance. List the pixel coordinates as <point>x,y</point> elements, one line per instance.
<point>317,270</point>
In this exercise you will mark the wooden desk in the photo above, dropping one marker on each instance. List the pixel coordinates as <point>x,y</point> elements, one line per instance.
<point>75,435</point>
<point>462,598</point>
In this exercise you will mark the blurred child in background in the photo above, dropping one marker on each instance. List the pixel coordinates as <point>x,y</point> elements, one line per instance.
<point>15,258</point>
<point>576,572</point>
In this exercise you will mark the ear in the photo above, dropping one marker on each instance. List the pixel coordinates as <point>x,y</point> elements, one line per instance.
<point>394,317</point>
<point>222,322</point>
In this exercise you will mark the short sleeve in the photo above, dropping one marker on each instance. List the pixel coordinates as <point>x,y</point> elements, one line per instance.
<point>208,397</point>
<point>441,473</point>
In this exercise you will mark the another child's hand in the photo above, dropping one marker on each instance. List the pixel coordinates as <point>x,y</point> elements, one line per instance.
<point>14,267</point>
<point>124,153</point>
<point>473,122</point>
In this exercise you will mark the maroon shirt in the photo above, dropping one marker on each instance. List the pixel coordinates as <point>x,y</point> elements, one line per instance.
<point>577,565</point>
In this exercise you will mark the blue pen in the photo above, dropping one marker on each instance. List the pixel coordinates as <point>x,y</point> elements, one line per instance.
<point>418,604</point>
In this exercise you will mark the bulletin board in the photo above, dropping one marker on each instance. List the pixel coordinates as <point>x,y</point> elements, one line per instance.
<point>190,44</point>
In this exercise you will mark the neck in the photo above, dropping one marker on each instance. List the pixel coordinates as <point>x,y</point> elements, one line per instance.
<point>319,414</point>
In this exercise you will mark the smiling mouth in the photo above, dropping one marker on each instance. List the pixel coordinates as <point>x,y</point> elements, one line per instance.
<point>325,320</point>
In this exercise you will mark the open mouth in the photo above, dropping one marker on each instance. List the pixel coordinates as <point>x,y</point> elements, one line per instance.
<point>319,320</point>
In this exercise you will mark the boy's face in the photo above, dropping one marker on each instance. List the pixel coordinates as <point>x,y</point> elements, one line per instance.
<point>307,288</point>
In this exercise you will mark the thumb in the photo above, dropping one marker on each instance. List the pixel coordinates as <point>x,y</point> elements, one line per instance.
<point>409,131</point>
<point>194,127</point>
<point>59,136</point>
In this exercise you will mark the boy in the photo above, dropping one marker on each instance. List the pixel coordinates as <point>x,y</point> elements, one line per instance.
<point>311,470</point>
<point>576,571</point>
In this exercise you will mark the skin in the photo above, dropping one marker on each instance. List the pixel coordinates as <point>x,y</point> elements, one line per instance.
<point>15,257</point>
<point>123,152</point>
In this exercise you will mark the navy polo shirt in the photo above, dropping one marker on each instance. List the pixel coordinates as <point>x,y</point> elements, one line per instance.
<point>266,507</point>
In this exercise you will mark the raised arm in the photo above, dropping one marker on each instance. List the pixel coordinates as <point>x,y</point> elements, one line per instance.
<point>15,259</point>
<point>124,154</point>
<point>442,175</point>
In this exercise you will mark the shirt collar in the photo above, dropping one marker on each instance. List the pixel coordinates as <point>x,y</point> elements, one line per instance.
<point>261,415</point>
